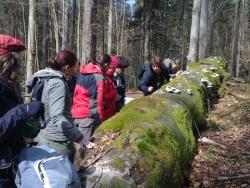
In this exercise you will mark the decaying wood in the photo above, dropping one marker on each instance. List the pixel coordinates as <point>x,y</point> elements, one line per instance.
<point>208,141</point>
<point>233,177</point>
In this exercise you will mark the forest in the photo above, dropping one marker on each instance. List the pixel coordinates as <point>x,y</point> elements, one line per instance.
<point>185,29</point>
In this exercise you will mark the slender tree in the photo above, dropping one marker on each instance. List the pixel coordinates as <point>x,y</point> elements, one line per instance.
<point>203,33</point>
<point>31,40</point>
<point>110,25</point>
<point>194,35</point>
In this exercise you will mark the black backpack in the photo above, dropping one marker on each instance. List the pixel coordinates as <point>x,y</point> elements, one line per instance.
<point>34,124</point>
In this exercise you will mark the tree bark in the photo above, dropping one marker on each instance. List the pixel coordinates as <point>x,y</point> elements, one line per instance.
<point>87,30</point>
<point>31,40</point>
<point>56,27</point>
<point>203,34</point>
<point>78,46</point>
<point>65,24</point>
<point>110,26</point>
<point>194,35</point>
<point>210,27</point>
<point>234,51</point>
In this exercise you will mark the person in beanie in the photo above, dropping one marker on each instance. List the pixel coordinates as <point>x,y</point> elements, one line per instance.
<point>88,99</point>
<point>120,82</point>
<point>59,133</point>
<point>13,112</point>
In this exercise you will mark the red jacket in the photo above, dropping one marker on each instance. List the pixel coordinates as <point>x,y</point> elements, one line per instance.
<point>88,93</point>
<point>109,97</point>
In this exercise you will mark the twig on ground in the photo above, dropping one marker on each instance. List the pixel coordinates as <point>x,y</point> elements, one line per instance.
<point>208,141</point>
<point>222,178</point>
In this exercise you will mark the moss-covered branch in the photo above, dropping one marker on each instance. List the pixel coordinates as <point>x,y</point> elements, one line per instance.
<point>156,138</point>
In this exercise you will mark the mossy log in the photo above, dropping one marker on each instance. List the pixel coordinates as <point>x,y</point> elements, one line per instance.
<point>156,133</point>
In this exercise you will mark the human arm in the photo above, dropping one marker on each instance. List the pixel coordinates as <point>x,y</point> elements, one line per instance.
<point>13,118</point>
<point>144,83</point>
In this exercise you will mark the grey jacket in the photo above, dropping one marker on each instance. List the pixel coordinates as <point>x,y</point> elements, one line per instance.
<point>57,106</point>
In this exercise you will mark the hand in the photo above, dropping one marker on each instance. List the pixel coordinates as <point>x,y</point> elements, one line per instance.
<point>85,144</point>
<point>33,108</point>
<point>150,89</point>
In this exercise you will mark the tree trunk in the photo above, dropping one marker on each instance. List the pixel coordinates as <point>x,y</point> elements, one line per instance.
<point>65,24</point>
<point>87,30</point>
<point>234,52</point>
<point>78,46</point>
<point>73,25</point>
<point>179,27</point>
<point>203,42</point>
<point>123,23</point>
<point>110,26</point>
<point>210,27</point>
<point>31,40</point>
<point>56,27</point>
<point>194,35</point>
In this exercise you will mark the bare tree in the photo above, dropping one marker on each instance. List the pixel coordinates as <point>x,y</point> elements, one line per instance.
<point>31,40</point>
<point>110,26</point>
<point>56,26</point>
<point>65,24</point>
<point>194,35</point>
<point>203,34</point>
<point>234,49</point>
<point>87,30</point>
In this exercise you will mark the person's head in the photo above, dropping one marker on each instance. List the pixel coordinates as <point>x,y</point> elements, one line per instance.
<point>64,61</point>
<point>104,61</point>
<point>155,64</point>
<point>10,64</point>
<point>176,64</point>
<point>112,66</point>
<point>122,64</point>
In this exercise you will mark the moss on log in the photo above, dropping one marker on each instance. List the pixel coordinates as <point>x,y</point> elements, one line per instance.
<point>156,133</point>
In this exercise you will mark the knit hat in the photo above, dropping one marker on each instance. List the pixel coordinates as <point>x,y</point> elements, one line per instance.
<point>10,44</point>
<point>114,62</point>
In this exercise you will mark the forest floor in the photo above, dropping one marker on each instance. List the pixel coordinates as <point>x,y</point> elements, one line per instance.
<point>226,165</point>
<point>229,125</point>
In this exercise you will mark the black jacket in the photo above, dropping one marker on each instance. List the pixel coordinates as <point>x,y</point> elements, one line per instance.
<point>12,115</point>
<point>150,78</point>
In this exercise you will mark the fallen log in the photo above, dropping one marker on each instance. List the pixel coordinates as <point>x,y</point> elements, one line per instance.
<point>156,133</point>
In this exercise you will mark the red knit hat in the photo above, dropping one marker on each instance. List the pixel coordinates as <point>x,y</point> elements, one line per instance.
<point>10,44</point>
<point>114,62</point>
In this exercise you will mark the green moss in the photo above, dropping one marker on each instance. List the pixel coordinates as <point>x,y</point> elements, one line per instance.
<point>156,132</point>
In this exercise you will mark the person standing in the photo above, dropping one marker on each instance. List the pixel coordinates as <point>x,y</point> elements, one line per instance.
<point>120,82</point>
<point>13,112</point>
<point>88,99</point>
<point>59,133</point>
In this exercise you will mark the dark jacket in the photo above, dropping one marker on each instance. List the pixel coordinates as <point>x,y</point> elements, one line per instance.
<point>120,84</point>
<point>150,78</point>
<point>12,115</point>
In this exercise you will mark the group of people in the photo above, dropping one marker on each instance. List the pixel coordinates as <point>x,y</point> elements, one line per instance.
<point>155,72</point>
<point>73,99</point>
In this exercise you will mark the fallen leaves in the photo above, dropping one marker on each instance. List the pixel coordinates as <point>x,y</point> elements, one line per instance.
<point>230,126</point>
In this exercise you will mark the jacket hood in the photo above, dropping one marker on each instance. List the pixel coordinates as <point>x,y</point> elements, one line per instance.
<point>91,68</point>
<point>45,73</point>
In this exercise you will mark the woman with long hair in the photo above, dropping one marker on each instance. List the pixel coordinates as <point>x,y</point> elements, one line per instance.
<point>13,112</point>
